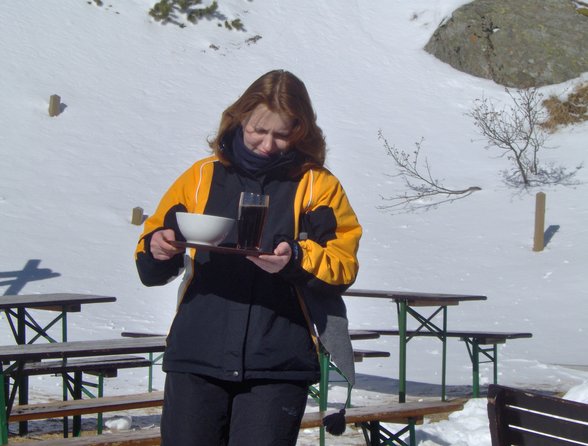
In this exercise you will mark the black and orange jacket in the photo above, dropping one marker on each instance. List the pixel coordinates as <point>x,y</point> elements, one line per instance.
<point>235,321</point>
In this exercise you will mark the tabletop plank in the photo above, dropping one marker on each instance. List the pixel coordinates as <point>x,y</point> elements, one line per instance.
<point>27,300</point>
<point>51,300</point>
<point>414,297</point>
<point>73,349</point>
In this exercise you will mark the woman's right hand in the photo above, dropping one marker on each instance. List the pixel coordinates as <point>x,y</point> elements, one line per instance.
<point>160,247</point>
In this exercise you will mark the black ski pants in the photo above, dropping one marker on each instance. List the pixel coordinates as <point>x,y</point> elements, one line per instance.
<point>203,411</point>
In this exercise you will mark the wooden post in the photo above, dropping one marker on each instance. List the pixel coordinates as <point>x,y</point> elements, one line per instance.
<point>54,105</point>
<point>539,238</point>
<point>137,216</point>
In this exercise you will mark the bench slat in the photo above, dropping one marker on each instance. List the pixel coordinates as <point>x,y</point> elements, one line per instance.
<point>55,409</point>
<point>392,413</point>
<point>545,422</point>
<point>532,438</point>
<point>143,437</point>
<point>139,334</point>
<point>94,364</point>
<point>358,335</point>
<point>358,354</point>
<point>388,413</point>
<point>545,404</point>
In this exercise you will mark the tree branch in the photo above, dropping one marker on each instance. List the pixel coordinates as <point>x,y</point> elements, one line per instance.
<point>423,190</point>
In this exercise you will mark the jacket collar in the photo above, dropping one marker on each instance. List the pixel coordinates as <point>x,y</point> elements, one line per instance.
<point>280,164</point>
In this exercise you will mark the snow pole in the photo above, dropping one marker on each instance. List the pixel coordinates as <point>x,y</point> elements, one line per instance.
<point>539,237</point>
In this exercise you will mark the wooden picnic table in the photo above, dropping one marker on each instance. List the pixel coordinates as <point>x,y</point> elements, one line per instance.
<point>17,307</point>
<point>18,354</point>
<point>407,303</point>
<point>19,317</point>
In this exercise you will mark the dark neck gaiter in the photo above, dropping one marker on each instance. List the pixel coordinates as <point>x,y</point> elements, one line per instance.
<point>247,159</point>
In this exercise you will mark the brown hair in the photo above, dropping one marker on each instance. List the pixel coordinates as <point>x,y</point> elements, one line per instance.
<point>281,92</point>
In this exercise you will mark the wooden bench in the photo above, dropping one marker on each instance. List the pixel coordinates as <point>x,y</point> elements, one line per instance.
<point>369,418</point>
<point>480,344</point>
<point>529,418</point>
<point>56,409</point>
<point>19,355</point>
<point>102,367</point>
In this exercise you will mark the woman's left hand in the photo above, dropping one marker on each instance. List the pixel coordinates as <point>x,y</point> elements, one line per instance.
<point>276,262</point>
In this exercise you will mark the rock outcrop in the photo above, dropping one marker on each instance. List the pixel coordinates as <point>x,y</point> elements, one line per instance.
<point>516,43</point>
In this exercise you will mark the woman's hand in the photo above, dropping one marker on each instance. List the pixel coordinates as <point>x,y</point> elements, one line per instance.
<point>276,262</point>
<point>160,247</point>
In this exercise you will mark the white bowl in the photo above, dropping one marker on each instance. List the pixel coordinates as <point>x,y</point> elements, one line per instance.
<point>204,229</point>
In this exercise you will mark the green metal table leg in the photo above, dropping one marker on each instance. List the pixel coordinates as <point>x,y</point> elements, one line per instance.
<point>65,381</point>
<point>412,433</point>
<point>402,351</point>
<point>100,395</point>
<point>23,388</point>
<point>150,382</point>
<point>323,389</point>
<point>64,325</point>
<point>3,418</point>
<point>65,398</point>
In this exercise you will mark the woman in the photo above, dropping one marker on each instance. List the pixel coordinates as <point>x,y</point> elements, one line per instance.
<point>240,352</point>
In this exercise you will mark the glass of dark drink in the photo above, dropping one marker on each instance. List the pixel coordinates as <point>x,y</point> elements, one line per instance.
<point>251,219</point>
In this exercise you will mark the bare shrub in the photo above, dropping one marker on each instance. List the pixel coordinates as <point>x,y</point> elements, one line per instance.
<point>423,191</point>
<point>515,131</point>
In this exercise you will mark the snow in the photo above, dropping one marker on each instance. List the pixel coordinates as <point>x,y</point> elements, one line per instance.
<point>140,99</point>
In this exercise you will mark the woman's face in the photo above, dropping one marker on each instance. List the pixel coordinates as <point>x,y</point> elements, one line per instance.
<point>266,132</point>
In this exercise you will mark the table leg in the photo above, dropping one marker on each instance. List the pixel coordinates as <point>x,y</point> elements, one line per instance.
<point>64,325</point>
<point>444,359</point>
<point>3,417</point>
<point>100,417</point>
<point>21,326</point>
<point>426,324</point>
<point>402,309</point>
<point>374,428</point>
<point>150,379</point>
<point>475,369</point>
<point>65,398</point>
<point>412,433</point>
<point>495,365</point>
<point>324,360</point>
<point>23,398</point>
<point>23,388</point>
<point>77,419</point>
